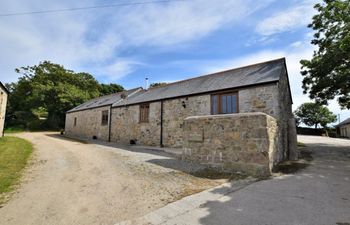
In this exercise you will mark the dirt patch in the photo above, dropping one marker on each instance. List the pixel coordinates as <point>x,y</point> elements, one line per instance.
<point>209,173</point>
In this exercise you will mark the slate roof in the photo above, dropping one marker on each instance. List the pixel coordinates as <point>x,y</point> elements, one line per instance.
<point>105,100</point>
<point>347,121</point>
<point>260,73</point>
<point>3,87</point>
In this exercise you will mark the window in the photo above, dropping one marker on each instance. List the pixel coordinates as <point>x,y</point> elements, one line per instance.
<point>75,121</point>
<point>224,103</point>
<point>144,113</point>
<point>104,117</point>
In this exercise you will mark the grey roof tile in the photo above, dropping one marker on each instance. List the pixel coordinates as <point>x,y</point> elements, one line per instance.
<point>347,121</point>
<point>104,100</point>
<point>244,76</point>
<point>234,78</point>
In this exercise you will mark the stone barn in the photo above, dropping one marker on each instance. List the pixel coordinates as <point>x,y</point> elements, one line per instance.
<point>343,128</point>
<point>3,102</point>
<point>239,118</point>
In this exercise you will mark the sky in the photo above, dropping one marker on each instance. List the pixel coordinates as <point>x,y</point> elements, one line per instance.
<point>165,41</point>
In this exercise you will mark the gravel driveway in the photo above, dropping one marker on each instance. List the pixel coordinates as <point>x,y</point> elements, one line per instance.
<point>69,182</point>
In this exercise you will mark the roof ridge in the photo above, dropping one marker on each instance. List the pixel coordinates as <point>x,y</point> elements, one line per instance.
<point>217,73</point>
<point>115,93</point>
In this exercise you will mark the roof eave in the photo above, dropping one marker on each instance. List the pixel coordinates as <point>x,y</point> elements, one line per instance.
<point>3,87</point>
<point>290,91</point>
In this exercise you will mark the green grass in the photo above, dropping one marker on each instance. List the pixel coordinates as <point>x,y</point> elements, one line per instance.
<point>14,154</point>
<point>11,130</point>
<point>300,144</point>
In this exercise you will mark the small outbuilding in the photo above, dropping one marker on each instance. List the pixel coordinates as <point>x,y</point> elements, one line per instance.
<point>3,101</point>
<point>344,128</point>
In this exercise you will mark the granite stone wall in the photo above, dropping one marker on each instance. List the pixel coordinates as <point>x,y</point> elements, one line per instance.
<point>287,135</point>
<point>89,124</point>
<point>345,130</point>
<point>262,98</point>
<point>126,125</point>
<point>244,142</point>
<point>176,111</point>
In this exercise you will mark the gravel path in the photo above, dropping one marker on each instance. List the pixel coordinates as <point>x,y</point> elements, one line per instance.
<point>69,182</point>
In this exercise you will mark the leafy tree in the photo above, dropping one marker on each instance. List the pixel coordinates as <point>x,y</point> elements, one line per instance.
<point>327,74</point>
<point>52,88</point>
<point>297,121</point>
<point>158,84</point>
<point>314,114</point>
<point>106,89</point>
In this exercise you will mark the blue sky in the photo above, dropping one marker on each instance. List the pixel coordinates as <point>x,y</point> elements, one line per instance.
<point>166,41</point>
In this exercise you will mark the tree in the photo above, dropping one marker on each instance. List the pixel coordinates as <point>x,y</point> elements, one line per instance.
<point>327,74</point>
<point>106,89</point>
<point>158,84</point>
<point>52,88</point>
<point>314,114</point>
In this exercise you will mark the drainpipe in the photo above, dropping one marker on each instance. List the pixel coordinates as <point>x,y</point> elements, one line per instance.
<point>161,124</point>
<point>110,124</point>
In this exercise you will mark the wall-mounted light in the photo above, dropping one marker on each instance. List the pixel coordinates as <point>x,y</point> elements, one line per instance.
<point>184,104</point>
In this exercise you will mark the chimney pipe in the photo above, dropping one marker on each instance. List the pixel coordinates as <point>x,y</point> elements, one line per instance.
<point>146,83</point>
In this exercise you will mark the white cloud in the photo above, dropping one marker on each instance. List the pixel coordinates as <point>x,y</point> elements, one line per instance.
<point>287,20</point>
<point>184,21</point>
<point>117,69</point>
<point>296,44</point>
<point>96,38</point>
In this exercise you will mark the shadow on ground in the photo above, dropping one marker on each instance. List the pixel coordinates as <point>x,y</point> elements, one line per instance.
<point>310,195</point>
<point>290,167</point>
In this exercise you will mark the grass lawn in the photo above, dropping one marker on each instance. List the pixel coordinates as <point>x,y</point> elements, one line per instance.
<point>14,153</point>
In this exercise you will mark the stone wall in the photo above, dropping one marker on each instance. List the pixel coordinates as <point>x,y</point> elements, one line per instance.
<point>89,124</point>
<point>286,123</point>
<point>262,98</point>
<point>3,102</point>
<point>176,111</point>
<point>244,142</point>
<point>126,125</point>
<point>345,130</point>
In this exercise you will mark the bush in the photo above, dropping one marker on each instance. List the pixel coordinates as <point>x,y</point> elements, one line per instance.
<point>37,125</point>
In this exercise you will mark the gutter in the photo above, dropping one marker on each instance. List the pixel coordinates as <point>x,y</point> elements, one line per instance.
<point>161,124</point>
<point>110,123</point>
